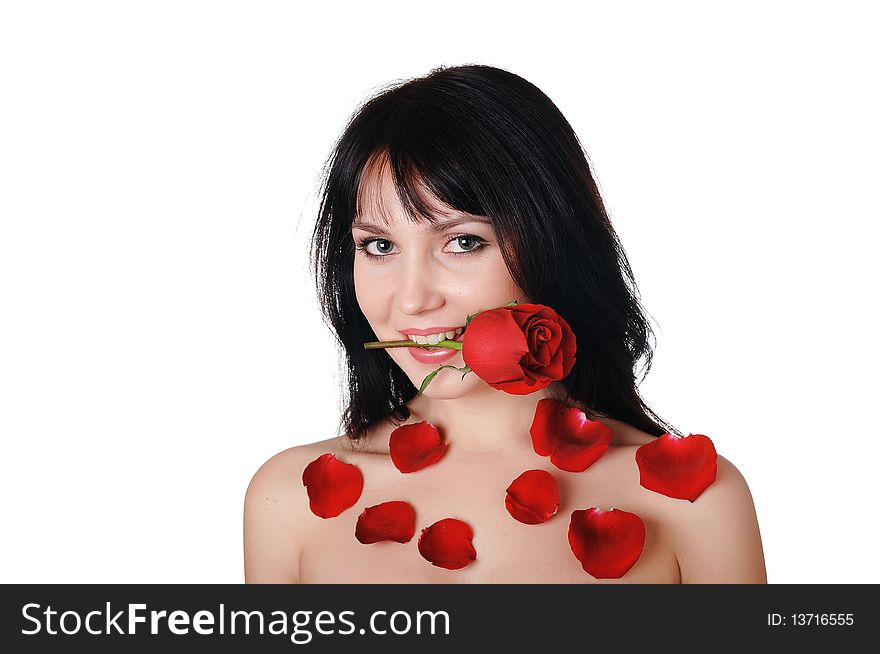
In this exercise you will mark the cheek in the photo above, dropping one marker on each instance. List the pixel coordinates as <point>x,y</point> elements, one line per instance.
<point>368,293</point>
<point>361,279</point>
<point>493,285</point>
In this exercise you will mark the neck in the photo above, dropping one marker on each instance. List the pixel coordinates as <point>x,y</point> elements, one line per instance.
<point>486,423</point>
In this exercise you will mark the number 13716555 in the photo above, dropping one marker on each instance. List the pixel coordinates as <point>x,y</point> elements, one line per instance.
<point>808,619</point>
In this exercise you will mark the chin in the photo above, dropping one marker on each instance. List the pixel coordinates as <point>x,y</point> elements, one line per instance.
<point>448,385</point>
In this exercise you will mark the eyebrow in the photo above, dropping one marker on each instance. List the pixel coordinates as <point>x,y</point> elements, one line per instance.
<point>435,227</point>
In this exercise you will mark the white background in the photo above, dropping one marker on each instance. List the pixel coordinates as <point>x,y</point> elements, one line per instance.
<point>160,336</point>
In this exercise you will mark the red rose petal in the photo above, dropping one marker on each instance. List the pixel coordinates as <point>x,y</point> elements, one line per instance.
<point>607,543</point>
<point>447,544</point>
<point>394,520</point>
<point>417,446</point>
<point>578,457</point>
<point>519,349</point>
<point>533,497</point>
<point>332,485</point>
<point>573,441</point>
<point>678,467</point>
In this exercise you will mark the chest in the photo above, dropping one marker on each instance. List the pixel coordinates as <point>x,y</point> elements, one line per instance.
<point>508,551</point>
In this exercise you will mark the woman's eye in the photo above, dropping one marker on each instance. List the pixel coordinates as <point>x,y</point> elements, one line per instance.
<point>469,242</point>
<point>383,246</point>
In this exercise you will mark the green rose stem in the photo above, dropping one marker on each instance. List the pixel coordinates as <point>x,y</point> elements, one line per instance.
<point>447,343</point>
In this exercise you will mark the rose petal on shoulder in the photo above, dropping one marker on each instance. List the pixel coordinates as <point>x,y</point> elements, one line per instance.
<point>606,543</point>
<point>533,497</point>
<point>332,485</point>
<point>448,544</point>
<point>577,457</point>
<point>678,467</point>
<point>416,446</point>
<point>393,520</point>
<point>545,425</point>
<point>555,423</point>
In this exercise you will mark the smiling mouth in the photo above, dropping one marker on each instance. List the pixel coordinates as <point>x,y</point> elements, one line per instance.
<point>425,346</point>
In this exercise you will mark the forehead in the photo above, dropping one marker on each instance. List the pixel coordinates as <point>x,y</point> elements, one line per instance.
<point>381,202</point>
<point>381,209</point>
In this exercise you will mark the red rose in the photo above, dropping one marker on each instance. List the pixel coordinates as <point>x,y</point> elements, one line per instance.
<point>533,497</point>
<point>678,467</point>
<point>447,544</point>
<point>395,520</point>
<point>417,446</point>
<point>607,543</point>
<point>332,485</point>
<point>565,434</point>
<point>519,349</point>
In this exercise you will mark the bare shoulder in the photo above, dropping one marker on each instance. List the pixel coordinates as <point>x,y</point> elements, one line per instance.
<point>717,537</point>
<point>276,514</point>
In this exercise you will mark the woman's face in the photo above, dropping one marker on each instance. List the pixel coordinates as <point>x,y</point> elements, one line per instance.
<point>417,275</point>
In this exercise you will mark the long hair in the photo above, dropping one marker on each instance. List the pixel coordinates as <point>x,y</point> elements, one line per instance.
<point>487,142</point>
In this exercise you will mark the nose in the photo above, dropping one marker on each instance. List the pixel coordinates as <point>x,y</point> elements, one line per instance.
<point>417,288</point>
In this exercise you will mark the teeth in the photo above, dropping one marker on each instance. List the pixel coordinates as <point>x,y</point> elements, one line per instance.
<point>433,339</point>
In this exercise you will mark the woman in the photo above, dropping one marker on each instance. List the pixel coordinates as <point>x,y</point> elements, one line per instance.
<point>449,194</point>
